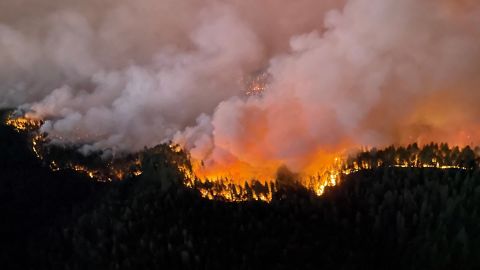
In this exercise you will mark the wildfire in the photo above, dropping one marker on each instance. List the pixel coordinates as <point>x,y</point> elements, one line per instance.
<point>257,84</point>
<point>39,143</point>
<point>233,182</point>
<point>230,189</point>
<point>23,123</point>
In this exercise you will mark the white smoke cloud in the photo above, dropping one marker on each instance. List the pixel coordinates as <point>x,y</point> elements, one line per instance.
<point>364,81</point>
<point>128,74</point>
<point>144,105</point>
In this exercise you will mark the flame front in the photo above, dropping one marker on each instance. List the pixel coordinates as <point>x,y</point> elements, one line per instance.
<point>239,181</point>
<point>23,123</point>
<point>111,171</point>
<point>319,177</point>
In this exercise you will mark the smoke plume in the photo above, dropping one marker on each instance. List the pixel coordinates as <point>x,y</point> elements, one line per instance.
<point>341,74</point>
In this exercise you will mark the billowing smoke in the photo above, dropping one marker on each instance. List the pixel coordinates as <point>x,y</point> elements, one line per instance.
<point>127,74</point>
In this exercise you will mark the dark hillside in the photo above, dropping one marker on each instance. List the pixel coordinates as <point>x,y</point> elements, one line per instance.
<point>387,217</point>
<point>33,199</point>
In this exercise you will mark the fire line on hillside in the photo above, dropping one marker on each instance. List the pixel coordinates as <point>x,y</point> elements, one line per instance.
<point>228,189</point>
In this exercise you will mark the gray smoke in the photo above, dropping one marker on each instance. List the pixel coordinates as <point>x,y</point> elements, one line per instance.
<point>128,74</point>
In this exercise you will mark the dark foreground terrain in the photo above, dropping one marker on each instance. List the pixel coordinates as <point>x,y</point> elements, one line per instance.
<point>388,218</point>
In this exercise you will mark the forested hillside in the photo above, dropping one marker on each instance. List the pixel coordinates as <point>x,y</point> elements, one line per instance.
<point>385,217</point>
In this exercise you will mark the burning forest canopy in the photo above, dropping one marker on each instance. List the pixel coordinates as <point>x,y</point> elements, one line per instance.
<point>102,166</point>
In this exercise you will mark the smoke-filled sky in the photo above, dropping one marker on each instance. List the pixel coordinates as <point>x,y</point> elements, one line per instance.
<point>126,74</point>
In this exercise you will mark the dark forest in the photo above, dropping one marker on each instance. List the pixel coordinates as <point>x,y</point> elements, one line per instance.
<point>384,217</point>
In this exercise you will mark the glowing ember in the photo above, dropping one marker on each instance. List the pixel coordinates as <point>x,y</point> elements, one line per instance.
<point>257,84</point>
